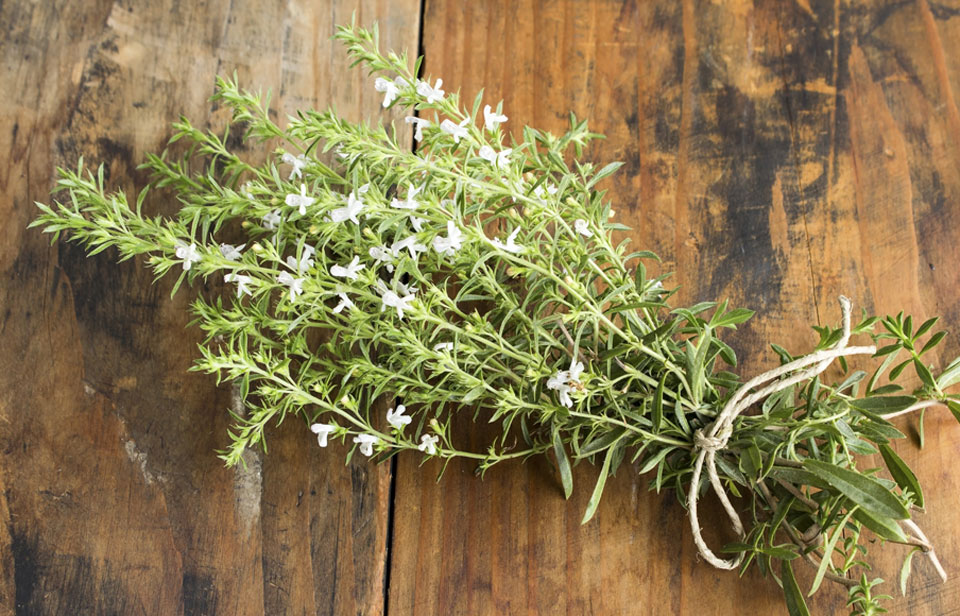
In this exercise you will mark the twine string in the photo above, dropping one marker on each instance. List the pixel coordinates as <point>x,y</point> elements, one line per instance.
<point>713,439</point>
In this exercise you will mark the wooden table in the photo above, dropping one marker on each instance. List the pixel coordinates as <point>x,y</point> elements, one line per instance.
<point>777,154</point>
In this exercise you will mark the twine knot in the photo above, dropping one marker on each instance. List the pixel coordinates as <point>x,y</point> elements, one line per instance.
<point>707,442</point>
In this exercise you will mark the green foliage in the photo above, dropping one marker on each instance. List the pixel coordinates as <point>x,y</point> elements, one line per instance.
<point>479,276</point>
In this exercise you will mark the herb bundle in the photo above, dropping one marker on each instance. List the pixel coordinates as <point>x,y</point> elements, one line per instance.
<point>477,274</point>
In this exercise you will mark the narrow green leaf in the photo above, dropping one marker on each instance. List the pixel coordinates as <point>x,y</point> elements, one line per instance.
<point>955,409</point>
<point>905,569</point>
<point>883,405</point>
<point>828,552</point>
<point>950,374</point>
<point>934,341</point>
<point>732,318</point>
<point>600,443</point>
<point>885,528</point>
<point>796,606</point>
<point>655,460</point>
<point>861,489</point>
<point>901,473</point>
<point>926,326</point>
<point>563,464</point>
<point>658,404</point>
<point>598,489</point>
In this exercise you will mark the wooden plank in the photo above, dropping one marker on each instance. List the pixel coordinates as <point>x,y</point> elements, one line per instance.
<point>777,154</point>
<point>113,500</point>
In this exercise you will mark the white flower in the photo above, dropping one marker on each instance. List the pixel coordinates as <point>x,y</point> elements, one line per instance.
<point>231,252</point>
<point>271,220</point>
<point>297,162</point>
<point>501,160</point>
<point>581,226</point>
<point>428,444</point>
<point>417,223</point>
<point>245,190</point>
<point>492,118</point>
<point>552,189</point>
<point>350,271</point>
<point>575,370</point>
<point>354,206</point>
<point>560,382</point>
<point>382,254</point>
<point>431,93</point>
<point>322,431</point>
<point>457,130</point>
<point>397,419</point>
<point>295,284</point>
<point>418,125</point>
<point>511,245</point>
<point>305,262</point>
<point>392,300</point>
<point>410,243</point>
<point>366,442</point>
<point>300,201</point>
<point>452,243</point>
<point>189,254</point>
<point>390,89</point>
<point>404,289</point>
<point>443,346</point>
<point>242,283</point>
<point>410,203</point>
<point>344,303</point>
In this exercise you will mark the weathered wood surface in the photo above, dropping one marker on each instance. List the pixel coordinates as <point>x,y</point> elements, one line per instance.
<point>778,154</point>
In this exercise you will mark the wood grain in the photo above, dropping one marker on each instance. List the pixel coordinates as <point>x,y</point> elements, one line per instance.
<point>113,499</point>
<point>777,154</point>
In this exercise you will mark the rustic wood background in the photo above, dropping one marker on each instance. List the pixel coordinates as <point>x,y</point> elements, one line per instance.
<point>778,154</point>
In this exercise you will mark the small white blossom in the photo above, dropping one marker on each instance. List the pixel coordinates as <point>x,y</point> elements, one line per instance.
<point>501,159</point>
<point>242,281</point>
<point>443,346</point>
<point>300,201</point>
<point>350,271</point>
<point>366,442</point>
<point>431,93</point>
<point>305,262</point>
<point>575,370</point>
<point>397,419</point>
<point>410,243</point>
<point>390,299</point>
<point>245,190</point>
<point>417,223</point>
<point>390,89</point>
<point>295,284</point>
<point>404,289</point>
<point>344,303</point>
<point>492,118</point>
<point>418,125</point>
<point>428,444</point>
<point>350,211</point>
<point>560,382</point>
<point>410,203</point>
<point>296,162</point>
<point>231,252</point>
<point>511,245</point>
<point>458,131</point>
<point>452,243</point>
<point>322,431</point>
<point>552,189</point>
<point>189,254</point>
<point>382,254</point>
<point>582,228</point>
<point>271,220</point>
